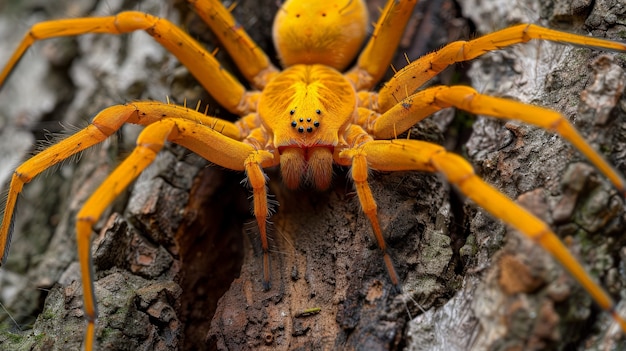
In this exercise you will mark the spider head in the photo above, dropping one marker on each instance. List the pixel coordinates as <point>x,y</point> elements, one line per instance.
<point>322,32</point>
<point>306,110</point>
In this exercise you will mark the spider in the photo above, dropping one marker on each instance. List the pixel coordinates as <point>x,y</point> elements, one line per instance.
<point>302,139</point>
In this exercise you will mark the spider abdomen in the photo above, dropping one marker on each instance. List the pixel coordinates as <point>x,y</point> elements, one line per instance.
<point>324,32</point>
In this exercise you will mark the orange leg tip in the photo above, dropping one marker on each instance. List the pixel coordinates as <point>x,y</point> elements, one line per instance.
<point>266,271</point>
<point>391,270</point>
<point>89,335</point>
<point>616,317</point>
<point>266,285</point>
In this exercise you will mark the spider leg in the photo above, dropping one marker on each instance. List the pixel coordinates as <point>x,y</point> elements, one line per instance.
<point>209,137</point>
<point>359,172</point>
<point>149,142</point>
<point>199,138</point>
<point>375,58</point>
<point>258,181</point>
<point>403,155</point>
<point>229,92</point>
<point>251,158</point>
<point>418,72</point>
<point>103,125</point>
<point>424,103</point>
<point>248,56</point>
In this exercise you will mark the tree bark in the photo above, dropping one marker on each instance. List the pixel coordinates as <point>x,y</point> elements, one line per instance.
<point>183,238</point>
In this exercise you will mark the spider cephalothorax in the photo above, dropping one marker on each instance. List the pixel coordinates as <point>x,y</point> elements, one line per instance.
<point>305,111</point>
<point>307,117</point>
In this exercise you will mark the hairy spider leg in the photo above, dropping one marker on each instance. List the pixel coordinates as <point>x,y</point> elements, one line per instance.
<point>258,181</point>
<point>418,72</point>
<point>200,139</point>
<point>164,122</point>
<point>102,126</point>
<point>247,55</point>
<point>374,60</point>
<point>229,92</point>
<point>149,143</point>
<point>424,103</point>
<point>359,171</point>
<point>406,155</point>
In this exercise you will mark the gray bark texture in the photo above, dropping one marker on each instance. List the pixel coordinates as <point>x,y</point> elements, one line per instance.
<point>177,258</point>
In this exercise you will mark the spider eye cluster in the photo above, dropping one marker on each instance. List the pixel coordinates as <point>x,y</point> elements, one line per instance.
<point>303,124</point>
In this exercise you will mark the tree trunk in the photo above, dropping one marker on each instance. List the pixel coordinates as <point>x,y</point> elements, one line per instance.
<point>185,238</point>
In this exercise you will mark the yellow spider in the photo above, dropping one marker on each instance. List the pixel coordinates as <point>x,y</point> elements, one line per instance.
<point>307,117</point>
